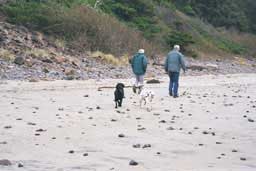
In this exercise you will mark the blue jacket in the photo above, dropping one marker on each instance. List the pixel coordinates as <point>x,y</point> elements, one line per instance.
<point>139,64</point>
<point>174,62</point>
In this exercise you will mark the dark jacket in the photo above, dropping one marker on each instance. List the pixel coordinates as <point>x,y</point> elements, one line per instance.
<point>139,64</point>
<point>174,62</point>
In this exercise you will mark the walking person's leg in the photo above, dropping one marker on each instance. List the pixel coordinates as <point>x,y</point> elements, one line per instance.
<point>170,84</point>
<point>136,83</point>
<point>176,84</point>
<point>141,83</point>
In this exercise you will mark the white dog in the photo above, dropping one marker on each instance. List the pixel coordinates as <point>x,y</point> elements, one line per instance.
<point>146,96</point>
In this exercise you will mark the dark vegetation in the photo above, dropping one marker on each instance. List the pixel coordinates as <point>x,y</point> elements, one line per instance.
<point>122,26</point>
<point>238,14</point>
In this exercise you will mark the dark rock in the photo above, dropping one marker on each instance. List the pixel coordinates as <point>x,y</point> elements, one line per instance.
<point>70,77</point>
<point>136,146</point>
<point>153,81</point>
<point>170,128</point>
<point>146,146</point>
<point>45,70</point>
<point>133,163</point>
<point>19,60</point>
<point>47,60</point>
<point>140,129</point>
<point>98,107</point>
<point>5,162</point>
<point>33,80</point>
<point>3,142</point>
<point>31,123</point>
<point>8,127</point>
<point>162,121</point>
<point>121,135</point>
<point>85,154</point>
<point>61,109</point>
<point>20,165</point>
<point>234,151</point>
<point>250,120</point>
<point>40,130</point>
<point>218,142</point>
<point>243,158</point>
<point>71,151</point>
<point>205,132</point>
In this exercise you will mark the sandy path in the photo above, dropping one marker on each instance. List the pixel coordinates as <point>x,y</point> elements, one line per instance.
<point>210,120</point>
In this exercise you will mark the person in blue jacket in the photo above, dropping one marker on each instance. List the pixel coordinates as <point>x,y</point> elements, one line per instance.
<point>173,64</point>
<point>139,66</point>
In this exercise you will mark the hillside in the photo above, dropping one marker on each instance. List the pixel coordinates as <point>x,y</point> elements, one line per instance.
<point>153,24</point>
<point>81,39</point>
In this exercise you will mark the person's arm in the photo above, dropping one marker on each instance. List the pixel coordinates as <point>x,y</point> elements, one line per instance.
<point>132,62</point>
<point>166,64</point>
<point>182,63</point>
<point>145,63</point>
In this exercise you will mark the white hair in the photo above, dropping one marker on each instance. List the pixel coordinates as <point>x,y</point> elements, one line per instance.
<point>141,51</point>
<point>176,47</point>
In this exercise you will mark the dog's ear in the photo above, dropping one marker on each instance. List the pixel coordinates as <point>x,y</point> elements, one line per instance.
<point>120,85</point>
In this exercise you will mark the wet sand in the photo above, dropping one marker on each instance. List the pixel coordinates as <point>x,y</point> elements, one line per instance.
<point>71,126</point>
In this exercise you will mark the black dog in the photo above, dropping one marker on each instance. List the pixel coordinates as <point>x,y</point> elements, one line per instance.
<point>119,94</point>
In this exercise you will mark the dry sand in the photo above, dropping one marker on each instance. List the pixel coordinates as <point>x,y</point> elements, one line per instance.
<point>40,123</point>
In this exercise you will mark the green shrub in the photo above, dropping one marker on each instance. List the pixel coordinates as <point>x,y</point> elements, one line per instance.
<point>189,10</point>
<point>180,38</point>
<point>230,46</point>
<point>82,27</point>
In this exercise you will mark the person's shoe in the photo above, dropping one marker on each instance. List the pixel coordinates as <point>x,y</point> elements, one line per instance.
<point>134,89</point>
<point>170,93</point>
<point>140,89</point>
<point>175,96</point>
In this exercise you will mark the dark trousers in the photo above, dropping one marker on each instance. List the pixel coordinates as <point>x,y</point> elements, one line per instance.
<point>174,83</point>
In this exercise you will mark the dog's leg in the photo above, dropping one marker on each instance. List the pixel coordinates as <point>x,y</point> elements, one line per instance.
<point>120,102</point>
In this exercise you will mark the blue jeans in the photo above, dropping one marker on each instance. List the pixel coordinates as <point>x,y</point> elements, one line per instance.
<point>174,83</point>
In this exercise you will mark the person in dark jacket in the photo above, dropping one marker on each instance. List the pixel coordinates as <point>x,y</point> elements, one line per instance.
<point>139,66</point>
<point>173,64</point>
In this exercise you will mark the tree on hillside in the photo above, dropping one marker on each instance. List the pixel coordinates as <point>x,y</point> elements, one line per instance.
<point>220,13</point>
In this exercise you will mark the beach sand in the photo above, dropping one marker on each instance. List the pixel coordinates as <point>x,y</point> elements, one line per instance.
<point>71,126</point>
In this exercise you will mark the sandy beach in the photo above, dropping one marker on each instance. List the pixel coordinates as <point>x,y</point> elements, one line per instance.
<point>71,126</point>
